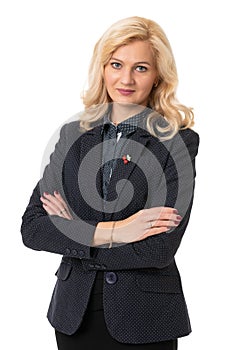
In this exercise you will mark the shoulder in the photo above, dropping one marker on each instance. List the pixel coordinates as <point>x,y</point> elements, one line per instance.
<point>189,134</point>
<point>184,140</point>
<point>70,132</point>
<point>71,128</point>
<point>191,139</point>
<point>74,128</point>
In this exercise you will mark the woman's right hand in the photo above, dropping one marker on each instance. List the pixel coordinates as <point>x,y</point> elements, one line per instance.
<point>145,223</point>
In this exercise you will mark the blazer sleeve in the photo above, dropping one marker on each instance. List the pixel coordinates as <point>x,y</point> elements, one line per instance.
<point>158,251</point>
<point>41,231</point>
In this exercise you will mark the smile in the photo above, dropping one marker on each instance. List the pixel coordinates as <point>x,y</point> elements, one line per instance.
<point>125,92</point>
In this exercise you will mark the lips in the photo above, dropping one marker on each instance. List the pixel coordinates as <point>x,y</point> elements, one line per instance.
<point>125,92</point>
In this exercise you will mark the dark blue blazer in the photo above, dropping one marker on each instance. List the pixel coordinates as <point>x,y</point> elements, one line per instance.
<point>142,292</point>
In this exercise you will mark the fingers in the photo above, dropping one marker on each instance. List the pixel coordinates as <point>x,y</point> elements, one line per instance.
<point>55,205</point>
<point>164,223</point>
<point>51,207</point>
<point>65,206</point>
<point>159,220</point>
<point>60,199</point>
<point>154,231</point>
<point>161,216</point>
<point>159,213</point>
<point>49,211</point>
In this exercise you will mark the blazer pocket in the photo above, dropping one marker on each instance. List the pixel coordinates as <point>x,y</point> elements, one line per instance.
<point>159,283</point>
<point>63,271</point>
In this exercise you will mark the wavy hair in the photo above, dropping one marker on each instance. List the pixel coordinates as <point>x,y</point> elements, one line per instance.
<point>162,98</point>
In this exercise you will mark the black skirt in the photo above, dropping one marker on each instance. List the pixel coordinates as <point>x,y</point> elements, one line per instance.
<point>93,333</point>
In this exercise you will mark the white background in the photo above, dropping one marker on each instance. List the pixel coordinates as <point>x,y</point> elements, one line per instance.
<point>45,51</point>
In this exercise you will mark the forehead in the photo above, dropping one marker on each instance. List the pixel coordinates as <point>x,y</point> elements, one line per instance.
<point>137,51</point>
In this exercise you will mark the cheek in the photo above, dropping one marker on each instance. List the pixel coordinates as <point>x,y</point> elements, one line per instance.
<point>147,86</point>
<point>108,78</point>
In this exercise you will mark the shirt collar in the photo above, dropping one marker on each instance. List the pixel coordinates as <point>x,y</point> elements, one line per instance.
<point>129,125</point>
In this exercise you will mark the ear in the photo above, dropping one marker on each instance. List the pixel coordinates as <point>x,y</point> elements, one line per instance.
<point>156,82</point>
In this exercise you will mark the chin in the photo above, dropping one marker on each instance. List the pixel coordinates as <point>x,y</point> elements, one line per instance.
<point>125,100</point>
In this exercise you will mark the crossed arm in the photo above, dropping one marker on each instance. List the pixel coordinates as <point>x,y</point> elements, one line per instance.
<point>151,242</point>
<point>144,223</point>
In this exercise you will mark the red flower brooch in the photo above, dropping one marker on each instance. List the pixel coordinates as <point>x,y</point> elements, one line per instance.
<point>126,159</point>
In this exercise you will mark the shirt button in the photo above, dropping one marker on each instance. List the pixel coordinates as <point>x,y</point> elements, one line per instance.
<point>111,277</point>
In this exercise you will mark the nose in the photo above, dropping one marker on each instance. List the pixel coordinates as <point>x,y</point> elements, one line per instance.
<point>127,77</point>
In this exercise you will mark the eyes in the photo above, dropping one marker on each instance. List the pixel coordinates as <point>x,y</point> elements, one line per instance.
<point>117,65</point>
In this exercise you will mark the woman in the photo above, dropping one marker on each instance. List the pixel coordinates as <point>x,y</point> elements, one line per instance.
<point>120,177</point>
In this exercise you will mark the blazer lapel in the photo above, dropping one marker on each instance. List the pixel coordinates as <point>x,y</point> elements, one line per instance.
<point>90,177</point>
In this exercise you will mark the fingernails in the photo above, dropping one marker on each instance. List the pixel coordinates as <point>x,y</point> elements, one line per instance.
<point>46,193</point>
<point>179,217</point>
<point>56,192</point>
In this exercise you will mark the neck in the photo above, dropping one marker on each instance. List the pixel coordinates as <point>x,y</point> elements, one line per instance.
<point>123,111</point>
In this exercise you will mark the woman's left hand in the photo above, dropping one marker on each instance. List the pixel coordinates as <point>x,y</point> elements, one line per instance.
<point>55,205</point>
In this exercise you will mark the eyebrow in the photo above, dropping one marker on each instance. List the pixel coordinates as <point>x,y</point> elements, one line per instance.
<point>140,62</point>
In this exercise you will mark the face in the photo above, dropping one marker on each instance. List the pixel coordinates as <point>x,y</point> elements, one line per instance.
<point>130,74</point>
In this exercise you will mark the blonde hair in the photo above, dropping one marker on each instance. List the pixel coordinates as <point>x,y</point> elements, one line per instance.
<point>162,98</point>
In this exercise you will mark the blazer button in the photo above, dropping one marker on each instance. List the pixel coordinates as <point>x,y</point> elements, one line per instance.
<point>67,251</point>
<point>74,252</point>
<point>111,277</point>
<point>81,253</point>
